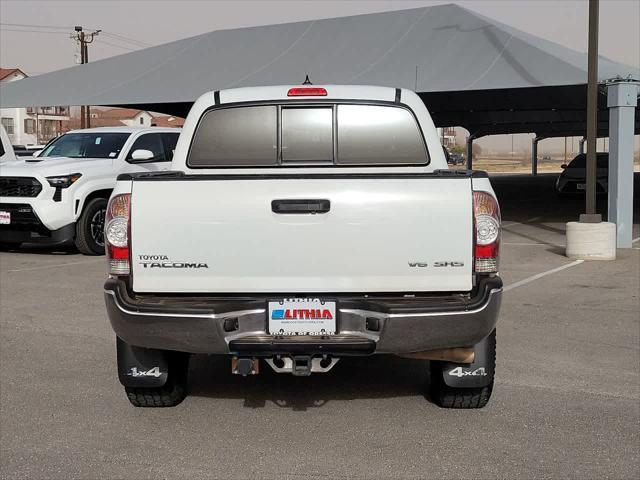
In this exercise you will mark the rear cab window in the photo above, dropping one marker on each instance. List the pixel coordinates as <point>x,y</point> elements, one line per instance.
<point>313,134</point>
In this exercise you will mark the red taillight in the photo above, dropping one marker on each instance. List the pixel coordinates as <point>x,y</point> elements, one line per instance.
<point>117,232</point>
<point>307,92</point>
<point>486,221</point>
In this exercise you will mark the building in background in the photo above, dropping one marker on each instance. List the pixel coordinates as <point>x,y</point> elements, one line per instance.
<point>121,117</point>
<point>447,136</point>
<point>32,125</point>
<point>167,121</point>
<point>129,117</point>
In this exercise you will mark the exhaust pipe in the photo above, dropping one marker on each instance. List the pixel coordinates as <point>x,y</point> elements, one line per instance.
<point>454,355</point>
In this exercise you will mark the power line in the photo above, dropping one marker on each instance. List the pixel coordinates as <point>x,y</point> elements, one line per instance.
<point>104,42</point>
<point>117,46</point>
<point>29,25</point>
<point>63,29</point>
<point>31,31</point>
<point>127,39</point>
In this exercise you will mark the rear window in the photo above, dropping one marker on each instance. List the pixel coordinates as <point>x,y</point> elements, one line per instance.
<point>307,134</point>
<point>321,134</point>
<point>236,137</point>
<point>372,134</point>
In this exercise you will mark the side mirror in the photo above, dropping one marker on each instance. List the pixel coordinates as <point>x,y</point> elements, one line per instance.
<point>141,154</point>
<point>563,166</point>
<point>37,153</point>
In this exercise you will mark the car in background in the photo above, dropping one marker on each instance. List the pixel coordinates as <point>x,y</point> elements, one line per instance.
<point>573,178</point>
<point>6,150</point>
<point>60,196</point>
<point>457,159</point>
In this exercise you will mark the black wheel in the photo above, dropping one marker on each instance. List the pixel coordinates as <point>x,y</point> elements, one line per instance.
<point>172,393</point>
<point>90,227</point>
<point>465,385</point>
<point>6,246</point>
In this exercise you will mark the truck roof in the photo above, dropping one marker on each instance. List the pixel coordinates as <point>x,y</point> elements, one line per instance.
<point>280,92</point>
<point>125,129</point>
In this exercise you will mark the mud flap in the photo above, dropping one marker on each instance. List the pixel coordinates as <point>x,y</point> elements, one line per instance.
<point>475,375</point>
<point>141,367</point>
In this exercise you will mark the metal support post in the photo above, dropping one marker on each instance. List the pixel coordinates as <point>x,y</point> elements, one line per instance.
<point>470,152</point>
<point>534,155</point>
<point>622,99</point>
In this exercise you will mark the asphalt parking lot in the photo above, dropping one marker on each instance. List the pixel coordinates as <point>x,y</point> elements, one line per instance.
<point>566,402</point>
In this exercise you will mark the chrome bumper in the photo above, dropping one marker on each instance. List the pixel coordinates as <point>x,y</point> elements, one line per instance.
<point>366,325</point>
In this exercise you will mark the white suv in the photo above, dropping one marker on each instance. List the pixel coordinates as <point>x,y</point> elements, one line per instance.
<point>61,195</point>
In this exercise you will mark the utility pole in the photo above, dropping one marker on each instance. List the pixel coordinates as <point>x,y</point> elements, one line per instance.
<point>84,39</point>
<point>512,146</point>
<point>592,115</point>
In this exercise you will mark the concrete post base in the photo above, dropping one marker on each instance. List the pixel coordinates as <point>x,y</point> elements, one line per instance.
<point>591,241</point>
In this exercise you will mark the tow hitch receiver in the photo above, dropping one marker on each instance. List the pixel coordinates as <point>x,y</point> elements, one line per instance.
<point>245,366</point>
<point>301,365</point>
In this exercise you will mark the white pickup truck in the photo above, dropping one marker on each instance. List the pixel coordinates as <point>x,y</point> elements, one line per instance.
<point>60,196</point>
<point>300,225</point>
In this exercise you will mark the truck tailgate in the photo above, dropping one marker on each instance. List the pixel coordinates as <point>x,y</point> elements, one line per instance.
<point>380,234</point>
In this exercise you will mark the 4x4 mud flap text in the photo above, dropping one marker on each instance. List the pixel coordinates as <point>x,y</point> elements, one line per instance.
<point>141,367</point>
<point>476,374</point>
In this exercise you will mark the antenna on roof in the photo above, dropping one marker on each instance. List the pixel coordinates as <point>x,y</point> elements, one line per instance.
<point>307,81</point>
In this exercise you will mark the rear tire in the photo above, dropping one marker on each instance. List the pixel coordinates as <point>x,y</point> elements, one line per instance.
<point>90,228</point>
<point>446,396</point>
<point>172,393</point>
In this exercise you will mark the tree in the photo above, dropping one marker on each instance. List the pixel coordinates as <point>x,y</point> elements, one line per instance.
<point>476,150</point>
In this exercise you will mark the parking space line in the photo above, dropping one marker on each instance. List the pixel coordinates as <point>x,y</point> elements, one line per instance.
<point>635,240</point>
<point>54,266</point>
<point>534,244</point>
<point>540,275</point>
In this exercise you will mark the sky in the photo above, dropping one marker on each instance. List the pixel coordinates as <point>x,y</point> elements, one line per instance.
<point>34,35</point>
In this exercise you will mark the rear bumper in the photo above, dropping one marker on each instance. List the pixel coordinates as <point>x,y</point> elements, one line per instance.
<point>569,185</point>
<point>367,324</point>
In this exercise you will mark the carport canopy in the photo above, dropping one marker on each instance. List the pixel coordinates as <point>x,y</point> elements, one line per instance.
<point>471,71</point>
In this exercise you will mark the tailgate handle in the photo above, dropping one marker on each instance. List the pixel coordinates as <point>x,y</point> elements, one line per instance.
<point>300,206</point>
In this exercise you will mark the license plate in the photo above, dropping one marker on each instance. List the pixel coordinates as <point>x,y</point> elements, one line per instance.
<point>5,218</point>
<point>302,316</point>
<point>581,186</point>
